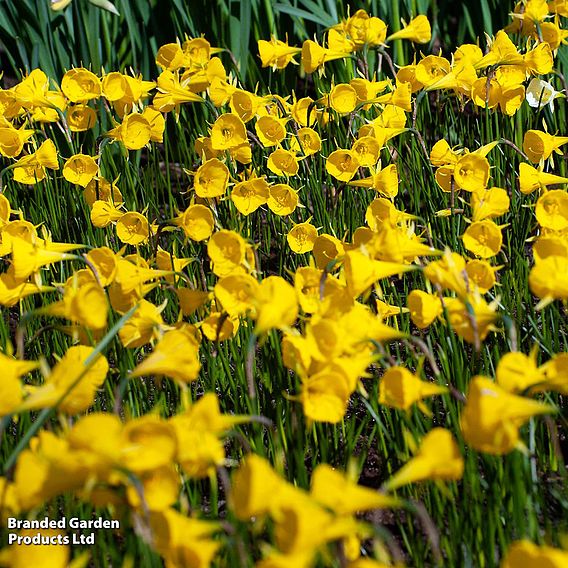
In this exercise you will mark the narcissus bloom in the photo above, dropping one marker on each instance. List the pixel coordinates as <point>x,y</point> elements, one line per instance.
<point>525,553</point>
<point>275,304</point>
<point>144,326</point>
<point>483,238</point>
<point>134,132</point>
<point>197,222</point>
<point>424,308</point>
<point>237,293</point>
<point>133,228</point>
<point>471,172</point>
<point>492,417</point>
<point>333,490</point>
<point>399,388</point>
<point>472,322</point>
<point>548,279</point>
<point>270,130</point>
<point>81,85</point>
<point>531,178</point>
<point>72,379</point>
<point>306,141</point>
<point>228,131</point>
<point>301,237</point>
<point>539,145</point>
<point>283,163</point>
<point>552,210</point>
<point>250,194</point>
<point>226,249</point>
<point>80,169</point>
<point>489,203</point>
<point>211,179</point>
<point>516,372</point>
<point>282,199</point>
<point>417,30</point>
<point>175,356</point>
<point>342,164</point>
<point>276,54</point>
<point>314,56</point>
<point>438,458</point>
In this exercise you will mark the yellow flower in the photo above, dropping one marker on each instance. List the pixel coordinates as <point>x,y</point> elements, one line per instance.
<point>315,56</point>
<point>552,210</point>
<point>342,164</point>
<point>173,91</point>
<point>417,30</point>
<point>367,149</point>
<point>325,395</point>
<point>532,178</point>
<point>71,372</point>
<point>283,163</point>
<point>132,228</point>
<point>343,98</point>
<point>80,169</point>
<point>399,388</point>
<point>326,248</point>
<point>282,199</point>
<point>431,69</point>
<point>275,53</point>
<point>306,141</point>
<point>525,553</point>
<point>502,52</point>
<point>333,490</point>
<point>492,417</point>
<point>474,322</point>
<point>483,238</point>
<point>481,274</point>
<point>31,169</point>
<point>103,213</point>
<point>28,258</point>
<point>489,203</point>
<point>275,304</point>
<point>539,145</point>
<point>471,172</point>
<point>249,195</point>
<point>50,550</point>
<point>81,85</point>
<point>548,278</point>
<point>83,303</point>
<point>211,179</point>
<point>438,458</point>
<point>197,222</point>
<point>80,117</point>
<point>144,326</point>
<point>218,327</point>
<point>516,372</point>
<point>256,488</point>
<point>384,181</point>
<point>424,308</point>
<point>175,356</point>
<point>361,271</point>
<point>134,132</point>
<point>226,249</point>
<point>270,130</point>
<point>236,293</point>
<point>301,237</point>
<point>228,131</point>
<point>539,61</point>
<point>103,190</point>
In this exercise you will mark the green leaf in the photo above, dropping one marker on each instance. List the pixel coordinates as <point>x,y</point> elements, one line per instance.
<point>322,19</point>
<point>105,5</point>
<point>245,18</point>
